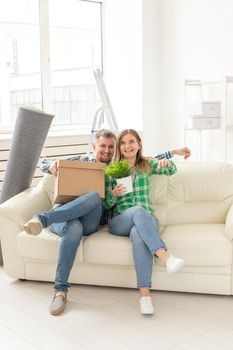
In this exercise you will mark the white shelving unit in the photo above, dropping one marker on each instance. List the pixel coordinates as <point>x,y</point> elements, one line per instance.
<point>209,106</point>
<point>227,111</point>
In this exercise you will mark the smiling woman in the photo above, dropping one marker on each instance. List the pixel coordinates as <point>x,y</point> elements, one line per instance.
<point>133,214</point>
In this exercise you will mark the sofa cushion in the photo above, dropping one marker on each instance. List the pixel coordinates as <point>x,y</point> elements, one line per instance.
<point>104,248</point>
<point>199,244</point>
<point>45,246</point>
<point>197,193</point>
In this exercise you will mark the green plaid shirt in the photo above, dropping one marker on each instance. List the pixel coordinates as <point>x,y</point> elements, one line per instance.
<point>141,189</point>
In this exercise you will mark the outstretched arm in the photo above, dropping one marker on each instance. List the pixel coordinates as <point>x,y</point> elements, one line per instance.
<point>185,151</point>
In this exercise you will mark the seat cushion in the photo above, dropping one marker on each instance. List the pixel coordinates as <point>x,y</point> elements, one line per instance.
<point>45,246</point>
<point>105,248</point>
<point>199,244</point>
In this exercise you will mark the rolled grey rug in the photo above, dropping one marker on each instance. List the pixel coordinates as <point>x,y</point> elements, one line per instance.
<point>31,128</point>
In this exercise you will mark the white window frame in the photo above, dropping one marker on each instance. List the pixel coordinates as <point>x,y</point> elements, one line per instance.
<point>46,87</point>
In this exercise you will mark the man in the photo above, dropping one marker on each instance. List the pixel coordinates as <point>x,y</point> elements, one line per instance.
<point>78,218</point>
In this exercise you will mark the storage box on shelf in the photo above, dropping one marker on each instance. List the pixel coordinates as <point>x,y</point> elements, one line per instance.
<point>198,122</point>
<point>201,113</point>
<point>209,117</point>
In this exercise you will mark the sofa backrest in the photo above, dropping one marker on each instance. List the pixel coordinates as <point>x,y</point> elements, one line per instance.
<point>199,192</point>
<point>47,184</point>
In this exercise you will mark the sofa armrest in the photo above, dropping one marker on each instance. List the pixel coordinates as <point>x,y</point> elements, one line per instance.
<point>229,224</point>
<point>13,214</point>
<point>24,205</point>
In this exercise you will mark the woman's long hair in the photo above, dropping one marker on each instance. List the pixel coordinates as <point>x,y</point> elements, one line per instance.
<point>141,162</point>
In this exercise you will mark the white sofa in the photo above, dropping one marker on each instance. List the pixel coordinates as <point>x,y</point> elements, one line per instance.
<point>195,211</point>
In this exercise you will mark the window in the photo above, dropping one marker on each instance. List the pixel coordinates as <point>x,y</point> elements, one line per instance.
<point>75,47</point>
<point>20,82</point>
<point>48,63</point>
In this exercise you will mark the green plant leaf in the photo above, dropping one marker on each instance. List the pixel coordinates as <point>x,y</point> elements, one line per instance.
<point>118,169</point>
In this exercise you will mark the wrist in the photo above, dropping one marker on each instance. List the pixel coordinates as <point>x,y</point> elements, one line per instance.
<point>173,152</point>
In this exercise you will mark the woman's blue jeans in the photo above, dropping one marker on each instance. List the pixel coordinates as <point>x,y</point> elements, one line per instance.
<point>143,230</point>
<point>72,221</point>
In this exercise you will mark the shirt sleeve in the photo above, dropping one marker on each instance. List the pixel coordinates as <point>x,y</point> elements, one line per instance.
<point>45,165</point>
<point>109,200</point>
<point>165,155</point>
<point>165,170</point>
<point>46,162</point>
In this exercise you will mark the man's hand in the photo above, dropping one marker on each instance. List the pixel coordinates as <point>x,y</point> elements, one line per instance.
<point>54,168</point>
<point>185,151</point>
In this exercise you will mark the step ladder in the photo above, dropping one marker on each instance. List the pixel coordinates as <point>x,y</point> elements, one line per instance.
<point>104,113</point>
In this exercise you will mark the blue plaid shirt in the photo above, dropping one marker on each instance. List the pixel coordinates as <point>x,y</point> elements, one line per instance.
<point>83,158</point>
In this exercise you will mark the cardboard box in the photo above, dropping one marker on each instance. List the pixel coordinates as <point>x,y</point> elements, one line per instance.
<point>76,178</point>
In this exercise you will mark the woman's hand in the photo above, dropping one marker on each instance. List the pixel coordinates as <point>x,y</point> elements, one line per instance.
<point>54,168</point>
<point>119,190</point>
<point>162,163</point>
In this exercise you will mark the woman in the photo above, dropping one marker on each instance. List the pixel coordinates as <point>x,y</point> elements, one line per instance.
<point>133,215</point>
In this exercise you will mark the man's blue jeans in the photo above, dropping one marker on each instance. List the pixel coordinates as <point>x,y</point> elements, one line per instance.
<point>72,221</point>
<point>143,230</point>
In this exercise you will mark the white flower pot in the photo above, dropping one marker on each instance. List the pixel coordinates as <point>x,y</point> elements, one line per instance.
<point>126,182</point>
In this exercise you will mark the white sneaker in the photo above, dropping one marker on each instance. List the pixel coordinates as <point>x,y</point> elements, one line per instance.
<point>146,306</point>
<point>174,264</point>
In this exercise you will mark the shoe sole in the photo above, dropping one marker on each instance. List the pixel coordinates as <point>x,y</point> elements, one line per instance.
<point>58,311</point>
<point>178,267</point>
<point>32,228</point>
<point>147,313</point>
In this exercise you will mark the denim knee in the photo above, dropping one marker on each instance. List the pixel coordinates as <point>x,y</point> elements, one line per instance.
<point>136,238</point>
<point>140,211</point>
<point>94,196</point>
<point>72,230</point>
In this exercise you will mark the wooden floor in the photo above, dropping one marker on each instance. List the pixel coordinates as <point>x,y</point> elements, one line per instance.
<point>101,318</point>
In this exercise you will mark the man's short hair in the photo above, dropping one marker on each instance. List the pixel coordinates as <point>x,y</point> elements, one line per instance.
<point>104,133</point>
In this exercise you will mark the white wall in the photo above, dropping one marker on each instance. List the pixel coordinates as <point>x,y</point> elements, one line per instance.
<point>131,65</point>
<point>123,60</point>
<point>151,47</point>
<point>196,43</point>
<point>151,76</point>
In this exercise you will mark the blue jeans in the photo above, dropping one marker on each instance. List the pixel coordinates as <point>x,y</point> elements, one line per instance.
<point>143,230</point>
<point>72,221</point>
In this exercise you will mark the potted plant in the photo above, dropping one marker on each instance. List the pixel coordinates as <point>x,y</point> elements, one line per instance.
<point>120,171</point>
